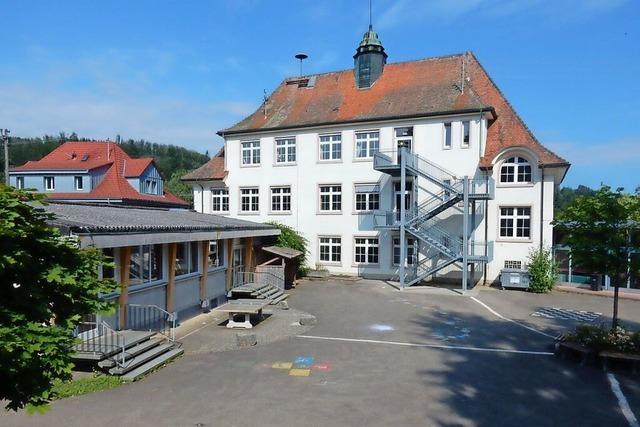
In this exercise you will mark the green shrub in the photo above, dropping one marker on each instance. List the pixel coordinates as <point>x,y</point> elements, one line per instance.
<point>542,270</point>
<point>291,238</point>
<point>601,338</point>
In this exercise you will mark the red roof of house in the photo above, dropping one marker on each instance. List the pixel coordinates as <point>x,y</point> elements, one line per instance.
<point>114,184</point>
<point>421,88</point>
<point>213,169</point>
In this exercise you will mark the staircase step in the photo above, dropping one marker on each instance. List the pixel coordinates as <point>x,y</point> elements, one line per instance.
<point>131,352</point>
<point>152,364</point>
<point>279,298</point>
<point>141,359</point>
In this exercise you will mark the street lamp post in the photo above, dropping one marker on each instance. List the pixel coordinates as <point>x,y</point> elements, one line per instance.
<point>4,133</point>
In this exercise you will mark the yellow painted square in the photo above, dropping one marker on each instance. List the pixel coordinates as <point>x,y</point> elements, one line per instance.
<point>299,372</point>
<point>282,365</point>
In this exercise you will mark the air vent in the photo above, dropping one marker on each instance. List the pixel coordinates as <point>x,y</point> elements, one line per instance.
<point>303,82</point>
<point>85,157</point>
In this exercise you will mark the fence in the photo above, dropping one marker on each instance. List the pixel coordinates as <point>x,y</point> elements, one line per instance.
<point>150,318</point>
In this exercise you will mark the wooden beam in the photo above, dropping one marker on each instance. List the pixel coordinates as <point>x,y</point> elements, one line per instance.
<point>248,254</point>
<point>171,276</point>
<point>125,264</point>
<point>229,254</point>
<point>205,270</point>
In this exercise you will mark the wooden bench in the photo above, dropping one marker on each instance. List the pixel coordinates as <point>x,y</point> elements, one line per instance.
<point>586,354</point>
<point>633,358</point>
<point>247,307</point>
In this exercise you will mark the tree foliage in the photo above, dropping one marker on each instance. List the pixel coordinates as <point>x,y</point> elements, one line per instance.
<point>178,187</point>
<point>600,230</point>
<point>542,270</point>
<point>47,282</point>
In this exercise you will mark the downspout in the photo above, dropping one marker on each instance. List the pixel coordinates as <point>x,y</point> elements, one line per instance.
<point>201,198</point>
<point>486,203</point>
<point>541,205</point>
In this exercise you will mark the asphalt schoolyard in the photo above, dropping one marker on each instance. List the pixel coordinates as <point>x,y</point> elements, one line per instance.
<point>378,357</point>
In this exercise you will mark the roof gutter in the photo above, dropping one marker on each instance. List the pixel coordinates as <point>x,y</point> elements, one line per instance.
<point>224,133</point>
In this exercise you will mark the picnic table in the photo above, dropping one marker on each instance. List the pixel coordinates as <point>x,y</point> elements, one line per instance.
<point>247,307</point>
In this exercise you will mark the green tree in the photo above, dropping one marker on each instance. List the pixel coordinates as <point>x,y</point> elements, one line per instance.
<point>291,238</point>
<point>600,230</point>
<point>542,270</point>
<point>179,188</point>
<point>47,283</point>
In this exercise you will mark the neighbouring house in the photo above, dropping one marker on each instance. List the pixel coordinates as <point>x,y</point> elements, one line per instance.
<point>412,171</point>
<point>96,172</point>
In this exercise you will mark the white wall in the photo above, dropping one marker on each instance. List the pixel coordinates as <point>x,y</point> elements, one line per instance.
<point>308,172</point>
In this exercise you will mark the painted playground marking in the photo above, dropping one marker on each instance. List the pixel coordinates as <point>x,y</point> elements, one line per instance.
<point>302,366</point>
<point>381,328</point>
<point>495,313</point>
<point>566,314</point>
<point>438,346</point>
<point>622,401</point>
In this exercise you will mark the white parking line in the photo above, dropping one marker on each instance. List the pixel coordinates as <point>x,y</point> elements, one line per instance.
<point>510,320</point>
<point>622,401</point>
<point>438,346</point>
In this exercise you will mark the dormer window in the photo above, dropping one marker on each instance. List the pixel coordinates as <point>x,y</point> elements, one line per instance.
<point>150,186</point>
<point>49,183</point>
<point>515,170</point>
<point>20,182</point>
<point>78,183</point>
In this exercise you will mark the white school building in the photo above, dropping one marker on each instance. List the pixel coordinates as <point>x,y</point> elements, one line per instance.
<point>410,171</point>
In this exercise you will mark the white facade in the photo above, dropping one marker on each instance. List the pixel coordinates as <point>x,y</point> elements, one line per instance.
<point>303,178</point>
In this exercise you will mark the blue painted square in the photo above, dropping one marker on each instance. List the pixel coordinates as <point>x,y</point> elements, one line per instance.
<point>303,361</point>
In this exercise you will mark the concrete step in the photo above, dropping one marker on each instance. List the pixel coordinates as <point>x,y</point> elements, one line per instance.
<point>152,364</point>
<point>100,348</point>
<point>141,359</point>
<point>270,292</point>
<point>279,298</point>
<point>131,352</point>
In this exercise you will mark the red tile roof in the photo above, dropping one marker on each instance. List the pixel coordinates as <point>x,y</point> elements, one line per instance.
<point>213,169</point>
<point>114,184</point>
<point>420,88</point>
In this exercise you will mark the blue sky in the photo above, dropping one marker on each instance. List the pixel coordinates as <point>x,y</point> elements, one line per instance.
<point>177,71</point>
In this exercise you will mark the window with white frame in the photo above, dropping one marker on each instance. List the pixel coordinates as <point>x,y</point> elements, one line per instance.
<point>249,200</point>
<point>250,153</point>
<point>220,199</point>
<point>331,147</point>
<point>216,253</point>
<point>412,251</point>
<point>466,133</point>
<point>515,169</point>
<point>49,183</point>
<point>281,199</point>
<point>20,182</point>
<point>367,144</point>
<point>513,264</point>
<point>330,249</point>
<point>515,222</point>
<point>446,142</point>
<point>78,183</point>
<point>186,258</point>
<point>367,197</point>
<point>285,150</point>
<point>145,264</point>
<point>330,198</point>
<point>366,250</point>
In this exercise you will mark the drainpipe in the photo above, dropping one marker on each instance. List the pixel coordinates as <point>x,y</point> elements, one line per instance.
<point>541,205</point>
<point>201,198</point>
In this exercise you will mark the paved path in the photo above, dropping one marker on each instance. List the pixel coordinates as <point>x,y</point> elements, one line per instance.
<point>361,380</point>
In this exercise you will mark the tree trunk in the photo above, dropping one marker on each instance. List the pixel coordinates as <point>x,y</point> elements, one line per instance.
<point>616,292</point>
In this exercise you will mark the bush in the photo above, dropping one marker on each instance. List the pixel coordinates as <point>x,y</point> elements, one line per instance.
<point>600,338</point>
<point>291,238</point>
<point>542,270</point>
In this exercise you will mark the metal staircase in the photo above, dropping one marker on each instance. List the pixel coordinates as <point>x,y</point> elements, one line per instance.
<point>421,220</point>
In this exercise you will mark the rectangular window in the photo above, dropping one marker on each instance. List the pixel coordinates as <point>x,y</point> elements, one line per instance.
<point>49,183</point>
<point>331,147</point>
<point>186,258</point>
<point>412,251</point>
<point>447,136</point>
<point>330,249</point>
<point>20,182</point>
<point>366,250</point>
<point>367,197</point>
<point>286,150</point>
<point>220,199</point>
<point>515,222</point>
<point>251,153</point>
<point>466,133</point>
<point>216,254</point>
<point>513,264</point>
<point>77,180</point>
<point>249,200</point>
<point>367,144</point>
<point>330,198</point>
<point>281,199</point>
<point>145,264</point>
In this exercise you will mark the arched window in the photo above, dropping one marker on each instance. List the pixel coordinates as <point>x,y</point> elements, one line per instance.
<point>515,169</point>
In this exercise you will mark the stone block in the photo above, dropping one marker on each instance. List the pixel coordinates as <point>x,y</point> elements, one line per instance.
<point>246,339</point>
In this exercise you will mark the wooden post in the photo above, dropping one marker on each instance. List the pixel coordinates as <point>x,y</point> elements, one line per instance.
<point>125,264</point>
<point>205,270</point>
<point>229,255</point>
<point>171,277</point>
<point>248,257</point>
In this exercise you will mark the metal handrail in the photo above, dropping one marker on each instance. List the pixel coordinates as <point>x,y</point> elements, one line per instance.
<point>260,277</point>
<point>151,318</point>
<point>104,342</point>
